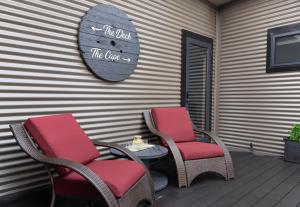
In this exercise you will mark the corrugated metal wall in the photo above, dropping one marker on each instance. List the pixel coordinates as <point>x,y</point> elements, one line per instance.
<point>254,106</point>
<point>42,73</point>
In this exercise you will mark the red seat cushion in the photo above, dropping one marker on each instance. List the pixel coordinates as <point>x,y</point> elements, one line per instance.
<point>199,150</point>
<point>174,122</point>
<point>61,136</point>
<point>119,175</point>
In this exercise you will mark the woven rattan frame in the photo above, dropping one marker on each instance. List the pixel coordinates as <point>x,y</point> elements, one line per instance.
<point>142,190</point>
<point>188,170</point>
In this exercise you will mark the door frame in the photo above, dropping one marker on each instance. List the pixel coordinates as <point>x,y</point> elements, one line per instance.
<point>187,37</point>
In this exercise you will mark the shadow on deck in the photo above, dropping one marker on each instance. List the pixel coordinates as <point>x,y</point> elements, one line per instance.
<point>260,181</point>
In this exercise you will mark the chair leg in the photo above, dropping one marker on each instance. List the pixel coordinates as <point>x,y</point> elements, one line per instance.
<point>52,186</point>
<point>53,198</point>
<point>229,169</point>
<point>197,167</point>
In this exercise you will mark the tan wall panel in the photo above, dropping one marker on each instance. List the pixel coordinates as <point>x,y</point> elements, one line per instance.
<point>255,107</point>
<point>41,73</point>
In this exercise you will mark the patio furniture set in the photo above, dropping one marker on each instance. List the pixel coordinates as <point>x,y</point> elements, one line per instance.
<point>58,141</point>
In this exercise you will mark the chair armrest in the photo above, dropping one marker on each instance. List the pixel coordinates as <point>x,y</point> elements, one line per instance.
<point>203,131</point>
<point>219,142</point>
<point>177,157</point>
<point>118,147</point>
<point>173,147</point>
<point>181,171</point>
<point>215,138</point>
<point>87,173</point>
<point>130,155</point>
<point>27,145</point>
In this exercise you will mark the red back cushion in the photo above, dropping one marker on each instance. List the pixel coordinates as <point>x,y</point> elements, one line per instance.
<point>174,122</point>
<point>61,136</point>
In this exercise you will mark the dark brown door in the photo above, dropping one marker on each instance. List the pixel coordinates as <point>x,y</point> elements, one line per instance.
<point>196,78</point>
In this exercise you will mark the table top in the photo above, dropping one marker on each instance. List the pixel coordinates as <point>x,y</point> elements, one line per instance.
<point>150,153</point>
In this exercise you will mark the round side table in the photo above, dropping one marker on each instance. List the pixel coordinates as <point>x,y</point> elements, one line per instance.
<point>160,181</point>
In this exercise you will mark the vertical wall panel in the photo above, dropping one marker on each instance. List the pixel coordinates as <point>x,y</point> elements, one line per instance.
<point>41,73</point>
<point>255,107</point>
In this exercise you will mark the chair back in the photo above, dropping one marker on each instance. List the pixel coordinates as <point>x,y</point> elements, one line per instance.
<point>60,136</point>
<point>174,122</point>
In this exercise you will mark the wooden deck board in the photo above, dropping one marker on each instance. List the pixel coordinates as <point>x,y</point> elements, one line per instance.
<point>226,191</point>
<point>278,193</point>
<point>206,185</point>
<point>231,198</point>
<point>260,181</point>
<point>260,192</point>
<point>292,198</point>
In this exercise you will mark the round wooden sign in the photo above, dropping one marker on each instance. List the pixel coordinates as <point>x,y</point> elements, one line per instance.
<point>108,43</point>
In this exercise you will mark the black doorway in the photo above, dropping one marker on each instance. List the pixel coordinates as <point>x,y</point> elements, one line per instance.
<point>196,82</point>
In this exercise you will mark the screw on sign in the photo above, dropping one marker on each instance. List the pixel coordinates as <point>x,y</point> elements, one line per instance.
<point>108,43</point>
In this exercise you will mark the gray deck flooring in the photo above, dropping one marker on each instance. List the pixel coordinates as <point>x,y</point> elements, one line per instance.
<point>260,181</point>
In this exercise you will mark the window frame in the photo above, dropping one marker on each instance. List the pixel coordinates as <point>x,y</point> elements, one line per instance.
<point>272,34</point>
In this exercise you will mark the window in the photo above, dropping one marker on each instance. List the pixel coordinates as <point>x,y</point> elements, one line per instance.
<point>283,48</point>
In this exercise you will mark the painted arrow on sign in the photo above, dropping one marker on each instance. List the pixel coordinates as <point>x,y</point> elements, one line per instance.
<point>95,28</point>
<point>127,59</point>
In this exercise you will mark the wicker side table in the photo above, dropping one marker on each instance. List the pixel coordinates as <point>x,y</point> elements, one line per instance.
<point>160,181</point>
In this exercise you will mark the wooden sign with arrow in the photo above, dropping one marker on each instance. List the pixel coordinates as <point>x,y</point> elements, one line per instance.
<point>108,43</point>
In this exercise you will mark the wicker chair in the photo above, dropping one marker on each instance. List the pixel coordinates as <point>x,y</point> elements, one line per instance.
<point>176,130</point>
<point>79,173</point>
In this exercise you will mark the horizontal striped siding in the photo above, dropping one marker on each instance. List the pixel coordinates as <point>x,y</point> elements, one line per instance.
<point>41,73</point>
<point>255,107</point>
